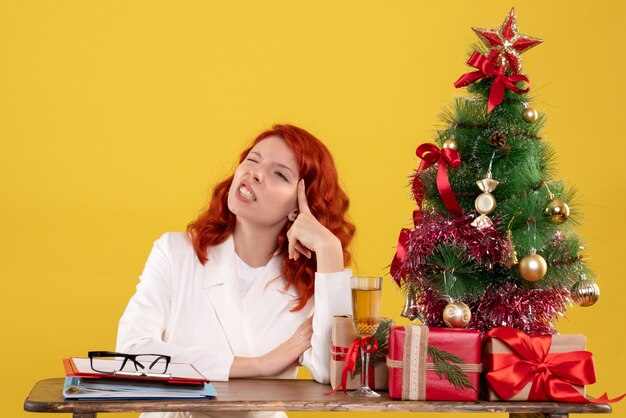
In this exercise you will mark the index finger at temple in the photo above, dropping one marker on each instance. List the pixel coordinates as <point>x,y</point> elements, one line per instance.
<point>303,204</point>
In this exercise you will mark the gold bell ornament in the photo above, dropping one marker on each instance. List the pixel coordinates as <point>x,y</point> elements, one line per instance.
<point>585,292</point>
<point>533,267</point>
<point>410,309</point>
<point>457,315</point>
<point>510,259</point>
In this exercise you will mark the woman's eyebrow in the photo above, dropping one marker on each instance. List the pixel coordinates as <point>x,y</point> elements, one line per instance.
<point>278,164</point>
<point>286,168</point>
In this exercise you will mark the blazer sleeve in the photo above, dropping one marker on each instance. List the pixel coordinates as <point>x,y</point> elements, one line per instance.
<point>144,323</point>
<point>332,297</point>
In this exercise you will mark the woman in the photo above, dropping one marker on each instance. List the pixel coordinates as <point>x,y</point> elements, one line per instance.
<point>250,290</point>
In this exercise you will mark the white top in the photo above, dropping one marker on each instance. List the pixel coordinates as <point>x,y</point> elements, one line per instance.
<point>196,314</point>
<point>246,274</point>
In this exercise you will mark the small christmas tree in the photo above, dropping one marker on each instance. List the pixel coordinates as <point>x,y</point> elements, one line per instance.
<point>493,241</point>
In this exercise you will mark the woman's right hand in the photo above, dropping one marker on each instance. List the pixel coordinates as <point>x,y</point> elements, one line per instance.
<point>307,234</point>
<point>283,357</point>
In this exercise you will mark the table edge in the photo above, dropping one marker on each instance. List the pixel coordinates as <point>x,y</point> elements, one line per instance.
<point>350,404</point>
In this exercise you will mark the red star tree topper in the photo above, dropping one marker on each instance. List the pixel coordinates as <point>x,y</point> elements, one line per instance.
<point>506,44</point>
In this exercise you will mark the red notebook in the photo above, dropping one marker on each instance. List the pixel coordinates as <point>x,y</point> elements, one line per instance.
<point>180,373</point>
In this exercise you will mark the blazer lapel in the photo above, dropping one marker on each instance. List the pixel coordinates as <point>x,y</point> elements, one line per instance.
<point>221,285</point>
<point>266,299</point>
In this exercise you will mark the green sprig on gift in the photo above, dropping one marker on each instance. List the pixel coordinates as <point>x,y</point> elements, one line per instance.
<point>380,355</point>
<point>447,364</point>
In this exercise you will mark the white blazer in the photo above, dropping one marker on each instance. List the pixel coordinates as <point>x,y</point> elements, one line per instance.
<point>195,312</point>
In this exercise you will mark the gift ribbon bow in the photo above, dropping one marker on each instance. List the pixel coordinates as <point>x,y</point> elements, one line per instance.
<point>368,345</point>
<point>551,374</point>
<point>430,154</point>
<point>485,69</point>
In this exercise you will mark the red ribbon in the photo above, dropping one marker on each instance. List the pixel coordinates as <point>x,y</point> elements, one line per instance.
<point>350,359</point>
<point>430,154</point>
<point>398,267</point>
<point>371,377</point>
<point>418,190</point>
<point>486,68</point>
<point>551,374</point>
<point>338,352</point>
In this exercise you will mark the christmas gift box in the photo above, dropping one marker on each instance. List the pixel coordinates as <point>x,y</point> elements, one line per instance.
<point>539,368</point>
<point>434,364</point>
<point>344,343</point>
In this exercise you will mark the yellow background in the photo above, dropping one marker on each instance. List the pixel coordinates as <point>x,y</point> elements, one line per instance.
<point>116,117</point>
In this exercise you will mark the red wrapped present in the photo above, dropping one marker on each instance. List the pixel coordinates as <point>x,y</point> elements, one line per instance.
<point>434,364</point>
<point>539,368</point>
<point>343,338</point>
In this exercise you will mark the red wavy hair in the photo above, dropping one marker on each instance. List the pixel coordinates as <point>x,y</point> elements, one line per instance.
<point>327,201</point>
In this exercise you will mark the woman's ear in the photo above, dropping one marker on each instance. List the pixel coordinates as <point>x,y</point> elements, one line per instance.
<point>293,215</point>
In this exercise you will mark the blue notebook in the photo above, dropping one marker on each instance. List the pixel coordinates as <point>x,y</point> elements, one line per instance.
<point>100,389</point>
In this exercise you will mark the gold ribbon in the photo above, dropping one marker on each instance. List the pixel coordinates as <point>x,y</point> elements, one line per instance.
<point>414,359</point>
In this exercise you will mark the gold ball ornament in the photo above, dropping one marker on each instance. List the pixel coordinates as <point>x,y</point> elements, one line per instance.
<point>557,210</point>
<point>450,143</point>
<point>533,267</point>
<point>585,293</point>
<point>530,115</point>
<point>457,315</point>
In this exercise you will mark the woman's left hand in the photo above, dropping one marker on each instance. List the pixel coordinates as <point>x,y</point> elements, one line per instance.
<point>307,234</point>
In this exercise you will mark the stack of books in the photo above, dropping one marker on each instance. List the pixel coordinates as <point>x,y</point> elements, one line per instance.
<point>183,381</point>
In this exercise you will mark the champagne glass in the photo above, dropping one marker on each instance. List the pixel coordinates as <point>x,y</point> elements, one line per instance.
<point>366,295</point>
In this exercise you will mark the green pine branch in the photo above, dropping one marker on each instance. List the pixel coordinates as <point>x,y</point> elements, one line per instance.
<point>453,273</point>
<point>446,364</point>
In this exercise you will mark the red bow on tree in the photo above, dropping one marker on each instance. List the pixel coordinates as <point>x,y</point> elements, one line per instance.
<point>487,69</point>
<point>430,154</point>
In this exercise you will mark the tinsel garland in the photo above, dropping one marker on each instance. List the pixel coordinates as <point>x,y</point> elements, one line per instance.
<point>530,310</point>
<point>486,247</point>
<point>504,302</point>
<point>533,311</point>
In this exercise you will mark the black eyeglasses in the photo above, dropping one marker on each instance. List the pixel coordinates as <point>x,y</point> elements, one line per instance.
<point>149,365</point>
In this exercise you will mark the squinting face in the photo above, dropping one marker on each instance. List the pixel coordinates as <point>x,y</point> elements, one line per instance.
<point>264,188</point>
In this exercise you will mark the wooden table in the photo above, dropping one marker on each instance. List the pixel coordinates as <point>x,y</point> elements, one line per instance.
<point>289,395</point>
